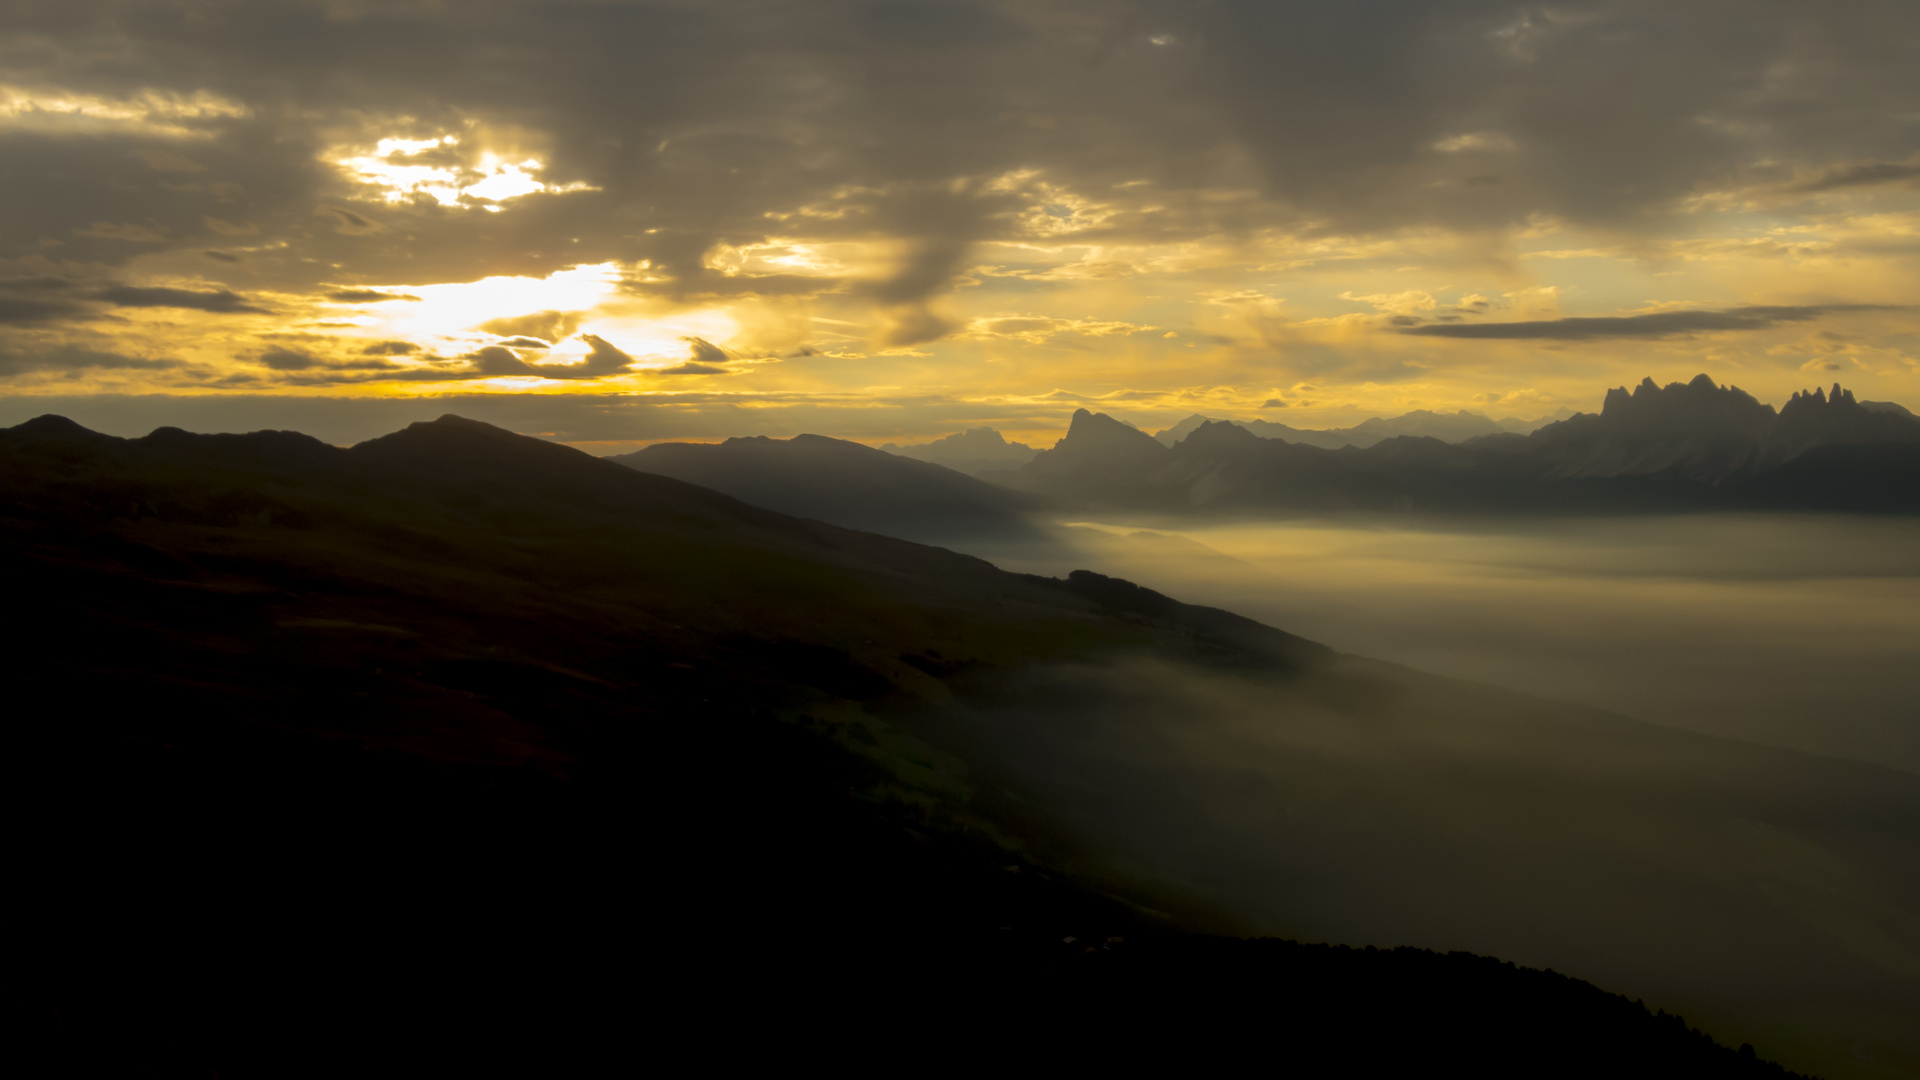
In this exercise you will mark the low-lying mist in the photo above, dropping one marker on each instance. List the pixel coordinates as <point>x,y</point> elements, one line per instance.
<point>1768,895</point>
<point>1797,631</point>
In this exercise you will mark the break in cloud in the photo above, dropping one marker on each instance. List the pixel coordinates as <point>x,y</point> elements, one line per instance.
<point>1397,204</point>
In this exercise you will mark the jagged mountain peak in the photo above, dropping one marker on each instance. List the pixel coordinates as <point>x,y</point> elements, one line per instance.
<point>1816,397</point>
<point>1698,402</point>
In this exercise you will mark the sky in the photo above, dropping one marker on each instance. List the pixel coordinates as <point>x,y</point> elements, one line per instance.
<point>612,223</point>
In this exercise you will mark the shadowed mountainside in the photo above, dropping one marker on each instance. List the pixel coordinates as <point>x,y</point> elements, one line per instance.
<point>467,711</point>
<point>846,484</point>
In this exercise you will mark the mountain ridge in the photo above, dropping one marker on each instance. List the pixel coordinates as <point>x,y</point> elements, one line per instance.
<point>1448,427</point>
<point>846,484</point>
<point>1686,446</point>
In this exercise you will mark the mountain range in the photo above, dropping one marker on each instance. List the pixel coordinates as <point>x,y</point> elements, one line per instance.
<point>1420,423</point>
<point>974,451</point>
<point>493,733</point>
<point>1682,447</point>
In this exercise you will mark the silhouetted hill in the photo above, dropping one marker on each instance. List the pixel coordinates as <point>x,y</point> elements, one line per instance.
<point>1684,447</point>
<point>464,732</point>
<point>975,451</point>
<point>846,484</point>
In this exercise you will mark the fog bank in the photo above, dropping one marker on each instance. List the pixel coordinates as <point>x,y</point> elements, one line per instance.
<point>1796,631</point>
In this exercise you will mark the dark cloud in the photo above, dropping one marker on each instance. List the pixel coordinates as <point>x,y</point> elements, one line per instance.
<point>604,359</point>
<point>70,358</point>
<point>1656,325</point>
<point>221,301</point>
<point>288,360</point>
<point>689,369</point>
<point>495,360</point>
<point>26,301</point>
<point>365,296</point>
<point>526,343</point>
<point>221,256</point>
<point>1864,174</point>
<point>705,352</point>
<point>390,348</point>
<point>26,310</point>
<point>45,283</point>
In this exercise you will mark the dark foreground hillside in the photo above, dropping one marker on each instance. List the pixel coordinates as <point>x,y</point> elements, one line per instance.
<point>460,748</point>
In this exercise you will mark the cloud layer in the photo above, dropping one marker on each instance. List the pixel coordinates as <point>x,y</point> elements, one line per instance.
<point>1387,200</point>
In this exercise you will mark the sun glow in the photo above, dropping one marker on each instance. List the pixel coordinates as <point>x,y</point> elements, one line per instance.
<point>559,309</point>
<point>406,169</point>
<point>456,310</point>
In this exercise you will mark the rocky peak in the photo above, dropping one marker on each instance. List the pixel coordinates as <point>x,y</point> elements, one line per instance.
<point>1814,418</point>
<point>1806,400</point>
<point>1699,406</point>
<point>1092,430</point>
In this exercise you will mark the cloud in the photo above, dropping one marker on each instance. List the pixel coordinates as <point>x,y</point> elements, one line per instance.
<point>1861,174</point>
<point>390,348</point>
<point>689,369</point>
<point>348,223</point>
<point>288,360</point>
<point>220,302</point>
<point>705,352</point>
<point>1036,329</point>
<point>109,230</point>
<point>366,296</point>
<point>496,360</point>
<point>603,360</point>
<point>914,324</point>
<point>1656,325</point>
<point>25,302</point>
<point>546,325</point>
<point>72,358</point>
<point>850,166</point>
<point>1402,303</point>
<point>167,161</point>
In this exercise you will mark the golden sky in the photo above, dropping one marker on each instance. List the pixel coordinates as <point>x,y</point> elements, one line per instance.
<point>895,220</point>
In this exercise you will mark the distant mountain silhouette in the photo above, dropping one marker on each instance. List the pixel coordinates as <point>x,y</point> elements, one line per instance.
<point>1217,467</point>
<point>1420,423</point>
<point>1099,458</point>
<point>846,484</point>
<point>975,451</point>
<point>459,730</point>
<point>1691,446</point>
